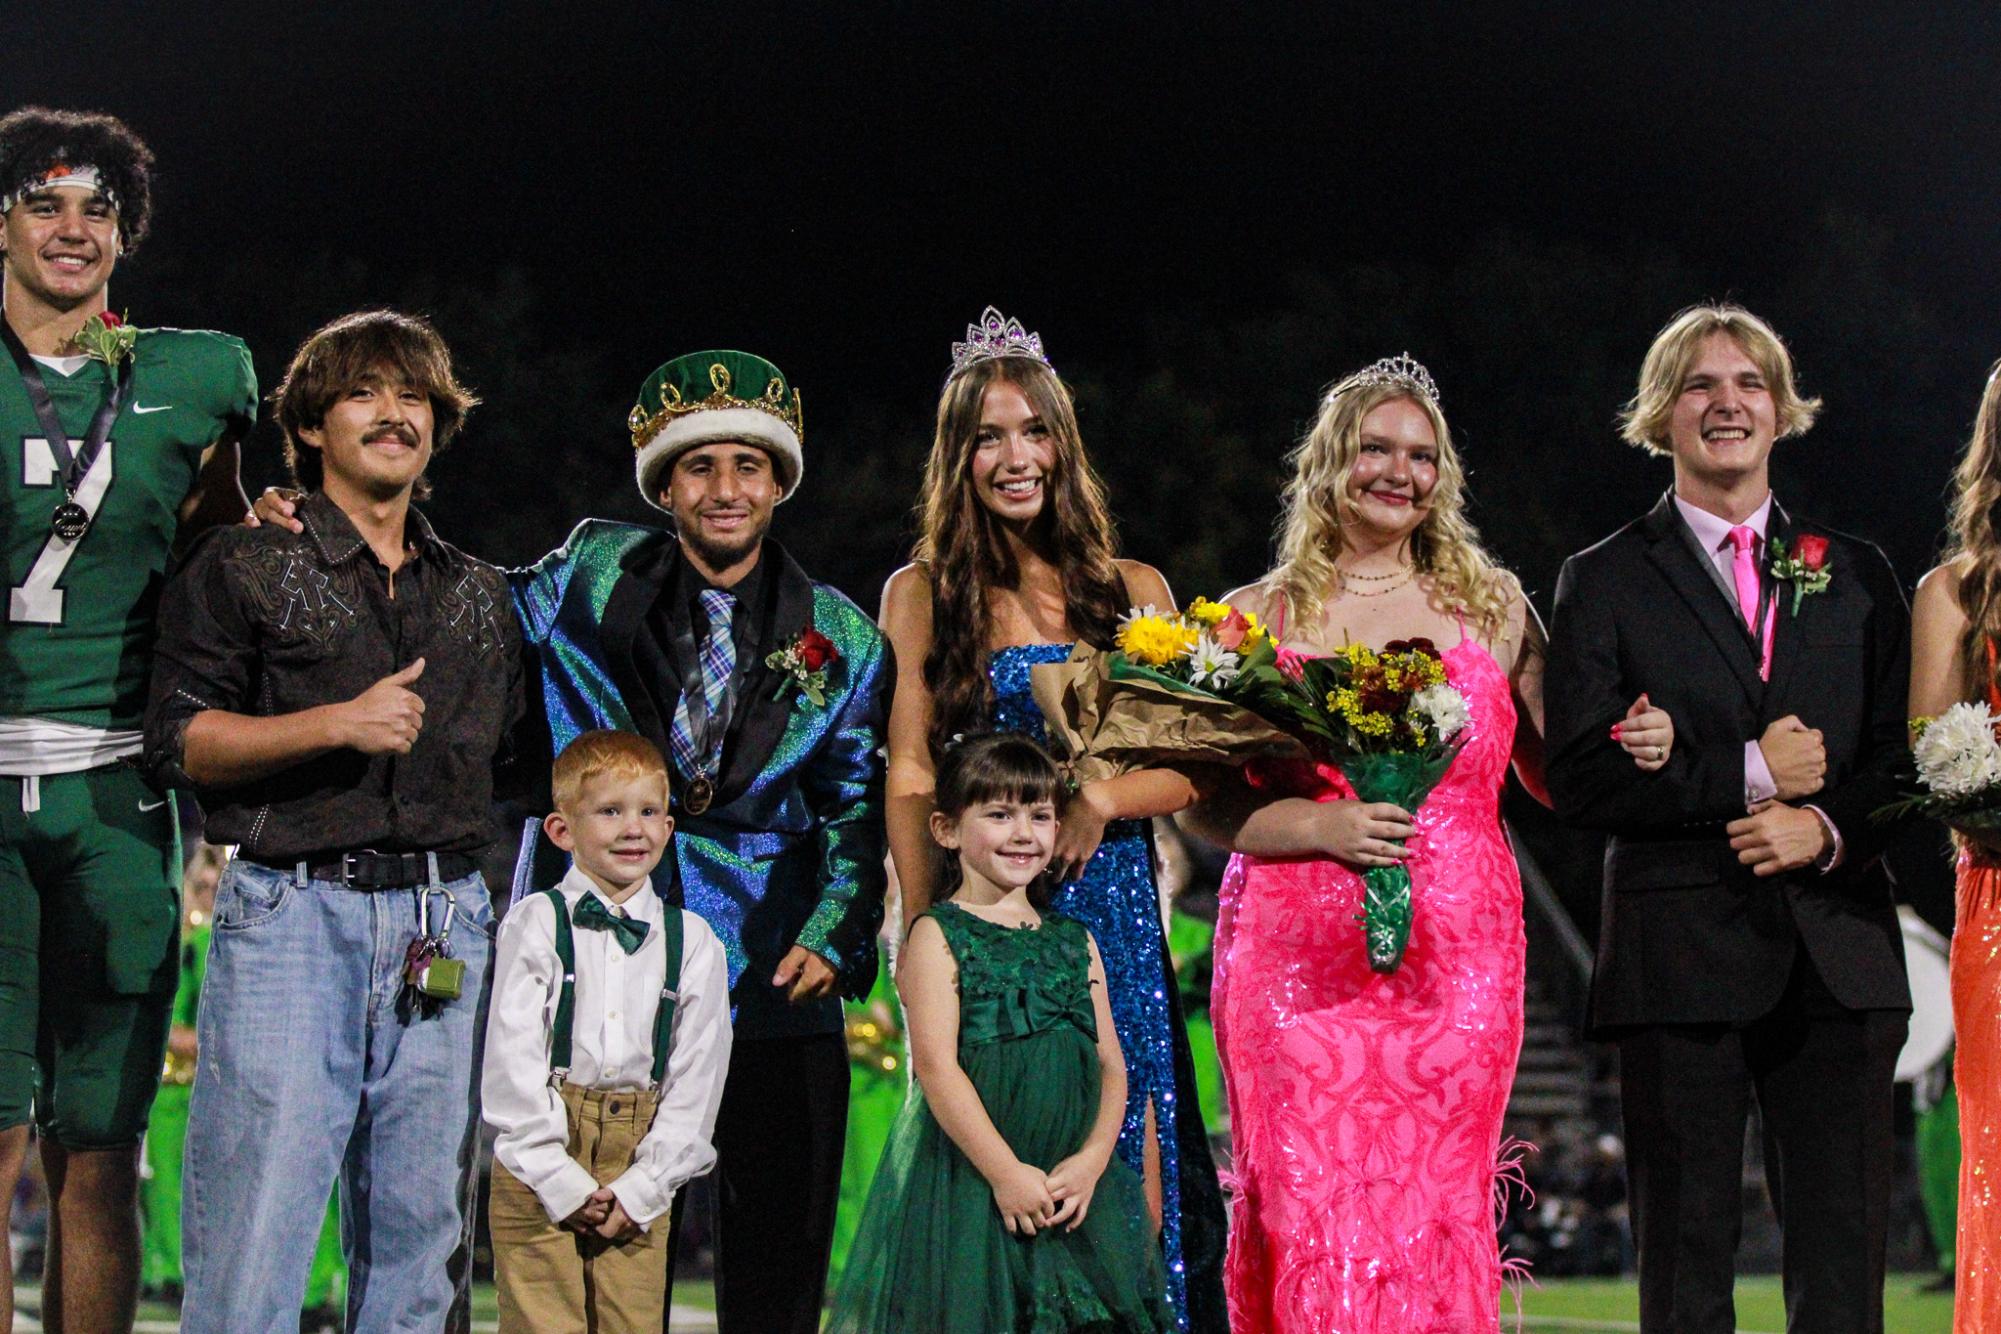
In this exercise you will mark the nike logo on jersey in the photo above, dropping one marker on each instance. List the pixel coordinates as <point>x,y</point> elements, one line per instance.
<point>139,411</point>
<point>154,806</point>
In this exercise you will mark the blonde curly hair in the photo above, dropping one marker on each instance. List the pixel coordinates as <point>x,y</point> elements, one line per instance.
<point>1445,546</point>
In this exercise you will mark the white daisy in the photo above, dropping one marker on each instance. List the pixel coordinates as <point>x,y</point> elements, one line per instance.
<point>1445,707</point>
<point>1957,753</point>
<point>1211,664</point>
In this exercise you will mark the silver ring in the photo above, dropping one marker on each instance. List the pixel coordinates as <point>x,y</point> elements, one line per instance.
<point>1660,752</point>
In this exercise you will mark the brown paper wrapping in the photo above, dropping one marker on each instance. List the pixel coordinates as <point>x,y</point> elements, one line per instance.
<point>1103,728</point>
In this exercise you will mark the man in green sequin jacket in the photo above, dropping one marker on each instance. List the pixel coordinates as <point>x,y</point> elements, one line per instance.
<point>768,692</point>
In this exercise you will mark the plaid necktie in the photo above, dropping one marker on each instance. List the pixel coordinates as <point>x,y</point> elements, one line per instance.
<point>718,655</point>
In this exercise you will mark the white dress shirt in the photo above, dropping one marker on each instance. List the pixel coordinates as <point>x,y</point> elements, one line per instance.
<point>1712,532</point>
<point>611,1047</point>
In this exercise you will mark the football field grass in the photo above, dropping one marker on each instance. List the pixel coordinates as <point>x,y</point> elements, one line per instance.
<point>1614,1304</point>
<point>1555,1305</point>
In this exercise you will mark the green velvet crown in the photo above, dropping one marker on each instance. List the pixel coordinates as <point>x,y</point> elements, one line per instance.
<point>705,397</point>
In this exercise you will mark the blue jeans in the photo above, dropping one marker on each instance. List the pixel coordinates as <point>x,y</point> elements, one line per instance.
<point>313,1066</point>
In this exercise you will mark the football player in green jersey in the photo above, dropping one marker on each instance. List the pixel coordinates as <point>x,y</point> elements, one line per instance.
<point>113,443</point>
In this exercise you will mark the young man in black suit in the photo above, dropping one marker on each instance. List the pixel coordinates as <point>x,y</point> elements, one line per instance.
<point>1749,946</point>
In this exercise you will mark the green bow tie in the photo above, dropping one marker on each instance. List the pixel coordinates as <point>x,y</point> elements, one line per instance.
<point>591,914</point>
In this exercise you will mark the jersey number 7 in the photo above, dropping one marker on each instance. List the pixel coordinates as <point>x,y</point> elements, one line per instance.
<point>39,601</point>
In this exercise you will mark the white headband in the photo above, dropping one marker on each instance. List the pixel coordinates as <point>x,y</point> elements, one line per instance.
<point>62,173</point>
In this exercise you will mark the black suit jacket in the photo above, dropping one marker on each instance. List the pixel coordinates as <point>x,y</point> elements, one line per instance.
<point>1689,935</point>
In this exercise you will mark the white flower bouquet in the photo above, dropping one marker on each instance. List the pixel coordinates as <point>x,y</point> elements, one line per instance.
<point>1958,761</point>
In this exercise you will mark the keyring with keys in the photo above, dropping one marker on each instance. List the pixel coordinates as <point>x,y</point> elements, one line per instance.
<point>427,966</point>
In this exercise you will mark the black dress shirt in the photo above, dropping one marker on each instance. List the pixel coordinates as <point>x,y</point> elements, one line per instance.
<point>680,606</point>
<point>266,622</point>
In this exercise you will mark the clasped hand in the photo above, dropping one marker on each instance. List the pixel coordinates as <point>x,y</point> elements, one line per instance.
<point>602,1216</point>
<point>1029,1198</point>
<point>1022,1195</point>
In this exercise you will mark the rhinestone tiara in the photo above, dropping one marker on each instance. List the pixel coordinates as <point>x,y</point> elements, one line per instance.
<point>995,336</point>
<point>1398,370</point>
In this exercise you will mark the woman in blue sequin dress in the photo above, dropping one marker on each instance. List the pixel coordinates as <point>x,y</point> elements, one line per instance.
<point>1014,563</point>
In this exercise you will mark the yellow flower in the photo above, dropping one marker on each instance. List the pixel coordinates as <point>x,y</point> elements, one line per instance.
<point>1154,641</point>
<point>1372,724</point>
<point>1257,629</point>
<point>1204,612</point>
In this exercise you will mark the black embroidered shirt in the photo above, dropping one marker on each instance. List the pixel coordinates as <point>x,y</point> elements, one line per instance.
<point>266,622</point>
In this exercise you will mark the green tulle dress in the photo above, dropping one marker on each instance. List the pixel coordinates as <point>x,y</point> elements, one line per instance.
<point>932,1255</point>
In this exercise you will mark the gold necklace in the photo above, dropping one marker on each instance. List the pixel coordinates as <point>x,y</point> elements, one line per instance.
<point>1403,569</point>
<point>1409,573</point>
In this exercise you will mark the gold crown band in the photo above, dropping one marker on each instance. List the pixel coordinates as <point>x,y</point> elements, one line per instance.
<point>645,424</point>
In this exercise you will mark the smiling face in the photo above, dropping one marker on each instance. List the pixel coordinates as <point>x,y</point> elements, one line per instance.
<point>1014,454</point>
<point>62,244</point>
<point>1395,471</point>
<point>375,439</point>
<point>721,496</point>
<point>1004,843</point>
<point>616,829</point>
<point>1724,420</point>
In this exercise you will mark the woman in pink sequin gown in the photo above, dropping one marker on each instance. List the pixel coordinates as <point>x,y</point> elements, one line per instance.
<point>1365,1109</point>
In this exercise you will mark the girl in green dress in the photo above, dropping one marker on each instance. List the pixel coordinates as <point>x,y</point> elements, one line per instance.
<point>999,1207</point>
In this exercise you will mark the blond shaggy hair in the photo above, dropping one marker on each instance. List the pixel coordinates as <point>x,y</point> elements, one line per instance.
<point>1445,546</point>
<point>1644,420</point>
<point>603,754</point>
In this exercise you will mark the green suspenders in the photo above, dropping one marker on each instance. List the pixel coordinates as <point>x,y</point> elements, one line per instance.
<point>566,994</point>
<point>670,995</point>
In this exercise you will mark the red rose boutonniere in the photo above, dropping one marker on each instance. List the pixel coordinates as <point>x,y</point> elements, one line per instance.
<point>1806,569</point>
<point>107,338</point>
<point>803,663</point>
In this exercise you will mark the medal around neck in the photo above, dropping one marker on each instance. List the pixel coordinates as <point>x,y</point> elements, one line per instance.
<point>69,521</point>
<point>697,795</point>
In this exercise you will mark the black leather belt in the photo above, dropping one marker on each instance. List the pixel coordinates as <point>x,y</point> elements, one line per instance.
<point>368,869</point>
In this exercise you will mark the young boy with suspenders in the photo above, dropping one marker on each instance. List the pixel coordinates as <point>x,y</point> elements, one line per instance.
<point>606,1046</point>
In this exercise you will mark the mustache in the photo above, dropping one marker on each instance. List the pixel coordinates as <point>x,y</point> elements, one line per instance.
<point>406,434</point>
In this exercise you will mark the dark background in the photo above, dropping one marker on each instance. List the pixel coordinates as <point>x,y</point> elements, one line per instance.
<point>1208,211</point>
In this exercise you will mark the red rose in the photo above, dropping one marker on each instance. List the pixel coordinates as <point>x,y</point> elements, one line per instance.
<point>109,320</point>
<point>816,650</point>
<point>1231,631</point>
<point>1811,551</point>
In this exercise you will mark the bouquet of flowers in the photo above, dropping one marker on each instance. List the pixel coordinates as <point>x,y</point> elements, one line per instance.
<point>1958,757</point>
<point>1393,725</point>
<point>1208,685</point>
<point>1179,687</point>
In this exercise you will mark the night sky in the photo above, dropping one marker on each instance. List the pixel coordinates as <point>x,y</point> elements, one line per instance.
<point>843,186</point>
<point>1209,212</point>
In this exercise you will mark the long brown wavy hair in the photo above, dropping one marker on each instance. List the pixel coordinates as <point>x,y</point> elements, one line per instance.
<point>1976,497</point>
<point>964,549</point>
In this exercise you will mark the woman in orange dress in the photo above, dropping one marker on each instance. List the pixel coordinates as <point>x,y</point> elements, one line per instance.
<point>1955,627</point>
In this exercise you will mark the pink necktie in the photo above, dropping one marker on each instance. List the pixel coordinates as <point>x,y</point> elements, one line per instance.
<point>1744,568</point>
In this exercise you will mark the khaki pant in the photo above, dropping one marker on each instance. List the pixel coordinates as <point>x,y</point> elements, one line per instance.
<point>555,1281</point>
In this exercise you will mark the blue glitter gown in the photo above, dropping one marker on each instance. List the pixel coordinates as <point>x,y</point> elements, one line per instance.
<point>1119,901</point>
